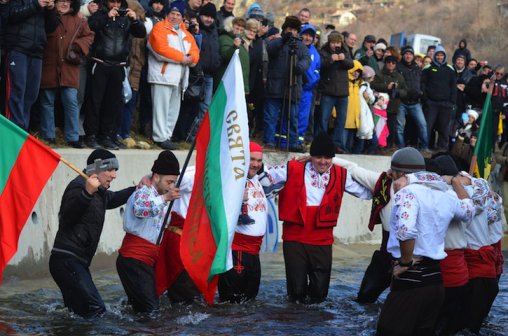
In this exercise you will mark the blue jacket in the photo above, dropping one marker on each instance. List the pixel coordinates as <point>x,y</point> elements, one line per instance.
<point>312,74</point>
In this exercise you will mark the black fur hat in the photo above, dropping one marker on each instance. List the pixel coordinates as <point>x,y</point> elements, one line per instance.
<point>291,22</point>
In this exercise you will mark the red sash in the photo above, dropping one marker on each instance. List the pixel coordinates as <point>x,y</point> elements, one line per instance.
<point>139,248</point>
<point>454,269</point>
<point>169,264</point>
<point>245,243</point>
<point>499,257</point>
<point>481,263</point>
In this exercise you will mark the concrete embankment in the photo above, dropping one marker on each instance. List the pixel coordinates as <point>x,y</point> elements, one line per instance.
<point>39,233</point>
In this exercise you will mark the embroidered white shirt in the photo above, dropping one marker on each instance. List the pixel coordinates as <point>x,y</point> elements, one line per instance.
<point>315,183</point>
<point>257,209</point>
<point>423,214</point>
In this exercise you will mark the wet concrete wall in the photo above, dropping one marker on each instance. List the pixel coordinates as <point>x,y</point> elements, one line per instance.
<point>39,233</point>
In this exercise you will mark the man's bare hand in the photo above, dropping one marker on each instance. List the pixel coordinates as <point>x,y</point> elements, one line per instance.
<point>92,184</point>
<point>92,7</point>
<point>172,194</point>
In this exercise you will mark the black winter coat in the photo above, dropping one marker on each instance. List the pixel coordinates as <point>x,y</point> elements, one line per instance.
<point>439,83</point>
<point>27,25</point>
<point>112,35</point>
<point>412,75</point>
<point>209,57</point>
<point>380,84</point>
<point>81,218</point>
<point>334,75</point>
<point>278,68</point>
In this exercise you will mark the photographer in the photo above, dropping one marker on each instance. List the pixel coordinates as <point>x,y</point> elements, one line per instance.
<point>278,86</point>
<point>334,88</point>
<point>391,82</point>
<point>113,24</point>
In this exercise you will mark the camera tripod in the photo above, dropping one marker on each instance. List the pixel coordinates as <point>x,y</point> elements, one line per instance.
<point>290,93</point>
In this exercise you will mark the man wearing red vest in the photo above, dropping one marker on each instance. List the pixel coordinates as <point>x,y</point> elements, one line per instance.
<point>309,206</point>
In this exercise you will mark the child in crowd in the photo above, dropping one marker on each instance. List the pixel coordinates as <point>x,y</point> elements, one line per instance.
<point>380,118</point>
<point>366,129</point>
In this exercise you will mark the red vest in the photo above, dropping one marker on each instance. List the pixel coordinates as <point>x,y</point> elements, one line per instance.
<point>293,198</point>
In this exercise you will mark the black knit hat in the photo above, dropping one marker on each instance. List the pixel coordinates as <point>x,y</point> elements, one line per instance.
<point>406,49</point>
<point>101,154</point>
<point>209,10</point>
<point>166,164</point>
<point>291,22</point>
<point>322,146</point>
<point>446,164</point>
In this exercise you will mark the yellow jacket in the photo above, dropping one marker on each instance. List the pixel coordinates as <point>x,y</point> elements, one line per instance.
<point>353,102</point>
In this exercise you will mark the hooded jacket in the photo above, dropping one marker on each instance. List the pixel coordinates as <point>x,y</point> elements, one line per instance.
<point>209,51</point>
<point>439,81</point>
<point>26,26</point>
<point>412,75</point>
<point>112,35</point>
<point>312,74</point>
<point>462,51</point>
<point>353,102</point>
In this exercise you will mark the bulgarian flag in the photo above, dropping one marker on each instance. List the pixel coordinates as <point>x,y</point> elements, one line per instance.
<point>25,167</point>
<point>222,163</point>
<point>482,158</point>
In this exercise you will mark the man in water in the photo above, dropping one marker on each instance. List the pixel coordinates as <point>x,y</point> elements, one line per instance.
<point>143,220</point>
<point>81,218</point>
<point>309,205</point>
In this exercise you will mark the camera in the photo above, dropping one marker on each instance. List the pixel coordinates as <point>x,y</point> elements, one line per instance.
<point>122,12</point>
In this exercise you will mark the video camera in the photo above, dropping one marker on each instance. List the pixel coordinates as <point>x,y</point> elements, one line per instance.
<point>100,166</point>
<point>292,41</point>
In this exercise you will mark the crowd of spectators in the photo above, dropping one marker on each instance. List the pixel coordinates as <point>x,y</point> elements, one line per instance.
<point>105,69</point>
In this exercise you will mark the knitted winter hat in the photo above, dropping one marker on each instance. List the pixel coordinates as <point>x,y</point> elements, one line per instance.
<point>208,10</point>
<point>369,38</point>
<point>101,154</point>
<point>335,36</point>
<point>178,6</point>
<point>322,146</point>
<point>380,45</point>
<point>406,49</point>
<point>166,164</point>
<point>408,160</point>
<point>255,147</point>
<point>446,165</point>
<point>368,72</point>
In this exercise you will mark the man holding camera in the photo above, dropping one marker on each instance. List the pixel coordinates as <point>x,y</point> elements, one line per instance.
<point>112,24</point>
<point>81,218</point>
<point>334,88</point>
<point>287,57</point>
<point>392,82</point>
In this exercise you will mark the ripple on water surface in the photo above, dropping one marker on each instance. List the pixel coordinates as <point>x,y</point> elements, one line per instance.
<point>35,307</point>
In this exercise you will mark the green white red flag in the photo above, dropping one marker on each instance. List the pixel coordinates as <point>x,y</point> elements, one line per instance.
<point>222,162</point>
<point>25,167</point>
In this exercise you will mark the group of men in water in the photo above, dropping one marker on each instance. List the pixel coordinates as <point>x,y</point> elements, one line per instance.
<point>440,251</point>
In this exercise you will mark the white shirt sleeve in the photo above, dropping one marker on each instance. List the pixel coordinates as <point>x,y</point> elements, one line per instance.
<point>356,189</point>
<point>277,173</point>
<point>365,177</point>
<point>464,210</point>
<point>405,215</point>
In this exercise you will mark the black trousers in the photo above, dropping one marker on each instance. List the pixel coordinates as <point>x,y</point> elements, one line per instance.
<point>138,281</point>
<point>411,312</point>
<point>377,277</point>
<point>308,270</point>
<point>452,315</point>
<point>183,289</point>
<point>481,297</point>
<point>75,282</point>
<point>241,283</point>
<point>105,101</point>
<point>438,116</point>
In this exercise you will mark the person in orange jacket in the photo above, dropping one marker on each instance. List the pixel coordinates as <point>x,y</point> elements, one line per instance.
<point>172,51</point>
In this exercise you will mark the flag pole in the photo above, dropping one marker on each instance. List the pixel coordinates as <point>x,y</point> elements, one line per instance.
<point>474,159</point>
<point>186,163</point>
<point>73,167</point>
